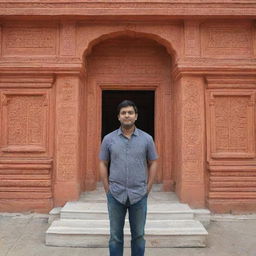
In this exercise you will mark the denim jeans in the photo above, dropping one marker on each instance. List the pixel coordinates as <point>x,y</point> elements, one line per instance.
<point>137,219</point>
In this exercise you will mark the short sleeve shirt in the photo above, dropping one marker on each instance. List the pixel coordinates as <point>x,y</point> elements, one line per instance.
<point>128,159</point>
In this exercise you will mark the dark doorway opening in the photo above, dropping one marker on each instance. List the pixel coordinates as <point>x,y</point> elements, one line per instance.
<point>144,100</point>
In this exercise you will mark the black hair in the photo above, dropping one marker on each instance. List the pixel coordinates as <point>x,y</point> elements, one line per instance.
<point>127,103</point>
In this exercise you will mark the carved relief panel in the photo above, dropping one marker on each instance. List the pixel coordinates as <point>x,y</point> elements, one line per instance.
<point>227,40</point>
<point>29,40</point>
<point>68,39</point>
<point>193,130</point>
<point>25,121</point>
<point>192,38</point>
<point>231,130</point>
<point>67,100</point>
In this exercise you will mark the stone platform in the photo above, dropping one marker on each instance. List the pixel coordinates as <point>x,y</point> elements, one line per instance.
<point>84,223</point>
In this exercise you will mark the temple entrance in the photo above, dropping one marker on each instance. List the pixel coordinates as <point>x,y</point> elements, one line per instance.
<point>135,68</point>
<point>144,100</point>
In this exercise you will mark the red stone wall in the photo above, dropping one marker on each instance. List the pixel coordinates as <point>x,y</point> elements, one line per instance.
<point>52,72</point>
<point>231,144</point>
<point>26,166</point>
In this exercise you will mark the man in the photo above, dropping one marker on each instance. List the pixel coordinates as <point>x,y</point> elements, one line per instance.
<point>132,156</point>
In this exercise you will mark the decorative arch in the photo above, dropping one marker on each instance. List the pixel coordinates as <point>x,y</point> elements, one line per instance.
<point>163,108</point>
<point>130,33</point>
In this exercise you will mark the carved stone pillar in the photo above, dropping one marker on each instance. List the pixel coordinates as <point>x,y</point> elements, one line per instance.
<point>192,38</point>
<point>189,144</point>
<point>68,38</point>
<point>67,162</point>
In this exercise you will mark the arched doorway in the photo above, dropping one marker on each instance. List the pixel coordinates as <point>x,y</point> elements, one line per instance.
<point>144,100</point>
<point>130,64</point>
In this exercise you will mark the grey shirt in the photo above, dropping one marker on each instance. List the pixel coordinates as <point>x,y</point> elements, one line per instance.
<point>128,163</point>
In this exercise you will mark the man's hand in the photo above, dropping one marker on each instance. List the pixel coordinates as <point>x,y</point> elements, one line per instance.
<point>104,174</point>
<point>152,169</point>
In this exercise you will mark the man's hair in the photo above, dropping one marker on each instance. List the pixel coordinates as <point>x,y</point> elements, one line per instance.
<point>127,103</point>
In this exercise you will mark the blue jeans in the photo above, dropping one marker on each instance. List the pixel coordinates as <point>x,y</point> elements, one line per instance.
<point>137,219</point>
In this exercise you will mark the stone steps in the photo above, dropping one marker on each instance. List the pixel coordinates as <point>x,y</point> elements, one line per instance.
<point>158,233</point>
<point>156,211</point>
<point>85,223</point>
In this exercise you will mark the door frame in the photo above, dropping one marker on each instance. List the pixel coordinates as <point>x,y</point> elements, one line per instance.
<point>93,137</point>
<point>145,101</point>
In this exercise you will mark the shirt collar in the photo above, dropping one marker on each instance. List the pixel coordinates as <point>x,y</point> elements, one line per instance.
<point>136,132</point>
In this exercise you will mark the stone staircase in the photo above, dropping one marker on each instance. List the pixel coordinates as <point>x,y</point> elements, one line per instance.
<point>84,223</point>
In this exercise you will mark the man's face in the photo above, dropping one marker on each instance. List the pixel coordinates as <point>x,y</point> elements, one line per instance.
<point>127,116</point>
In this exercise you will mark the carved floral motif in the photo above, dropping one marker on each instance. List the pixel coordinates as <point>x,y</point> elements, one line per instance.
<point>224,41</point>
<point>68,39</point>
<point>232,126</point>
<point>192,38</point>
<point>24,121</point>
<point>29,40</point>
<point>66,133</point>
<point>193,130</point>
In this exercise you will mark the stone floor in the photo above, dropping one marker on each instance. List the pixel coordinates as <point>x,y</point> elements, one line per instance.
<point>23,235</point>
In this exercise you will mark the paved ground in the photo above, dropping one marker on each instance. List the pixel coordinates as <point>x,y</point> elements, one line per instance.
<point>23,235</point>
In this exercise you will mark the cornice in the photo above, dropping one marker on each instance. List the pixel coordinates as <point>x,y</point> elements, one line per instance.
<point>31,69</point>
<point>171,8</point>
<point>206,66</point>
<point>183,66</point>
<point>181,72</point>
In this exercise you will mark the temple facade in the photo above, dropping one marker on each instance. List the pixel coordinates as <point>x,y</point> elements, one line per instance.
<point>189,65</point>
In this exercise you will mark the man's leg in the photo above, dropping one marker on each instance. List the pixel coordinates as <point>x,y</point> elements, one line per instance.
<point>117,212</point>
<point>137,218</point>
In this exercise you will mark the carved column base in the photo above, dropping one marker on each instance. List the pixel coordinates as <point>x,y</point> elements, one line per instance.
<point>90,185</point>
<point>193,195</point>
<point>168,185</point>
<point>66,191</point>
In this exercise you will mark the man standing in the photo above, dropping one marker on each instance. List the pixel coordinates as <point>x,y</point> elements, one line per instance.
<point>131,156</point>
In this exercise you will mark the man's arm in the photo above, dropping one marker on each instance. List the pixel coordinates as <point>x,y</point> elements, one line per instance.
<point>152,168</point>
<point>104,174</point>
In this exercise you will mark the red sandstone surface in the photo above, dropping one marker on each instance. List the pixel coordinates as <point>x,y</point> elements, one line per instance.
<point>57,57</point>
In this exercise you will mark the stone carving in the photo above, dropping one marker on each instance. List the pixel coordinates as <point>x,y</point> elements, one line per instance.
<point>192,38</point>
<point>29,41</point>
<point>254,40</point>
<point>25,125</point>
<point>190,174</point>
<point>66,135</point>
<point>232,127</point>
<point>1,40</point>
<point>68,39</point>
<point>232,182</point>
<point>25,180</point>
<point>67,121</point>
<point>129,60</point>
<point>67,152</point>
<point>193,130</point>
<point>175,9</point>
<point>227,41</point>
<point>67,93</point>
<point>229,38</point>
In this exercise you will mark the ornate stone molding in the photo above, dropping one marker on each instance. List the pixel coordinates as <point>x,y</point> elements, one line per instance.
<point>210,66</point>
<point>172,8</point>
<point>190,142</point>
<point>231,82</point>
<point>25,179</point>
<point>26,81</point>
